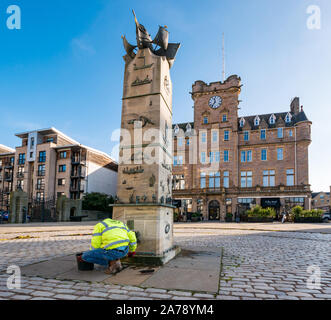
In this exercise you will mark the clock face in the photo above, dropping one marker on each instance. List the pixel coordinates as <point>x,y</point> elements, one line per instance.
<point>215,102</point>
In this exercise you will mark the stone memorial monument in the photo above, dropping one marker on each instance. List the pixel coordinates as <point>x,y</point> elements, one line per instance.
<point>144,190</point>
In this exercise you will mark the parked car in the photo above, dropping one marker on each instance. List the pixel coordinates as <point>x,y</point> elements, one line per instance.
<point>326,216</point>
<point>4,215</point>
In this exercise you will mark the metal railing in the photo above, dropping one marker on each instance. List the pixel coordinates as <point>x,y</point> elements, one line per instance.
<point>77,174</point>
<point>279,188</point>
<point>77,188</point>
<point>78,160</point>
<point>8,165</point>
<point>8,177</point>
<point>20,174</point>
<point>40,186</point>
<point>41,173</point>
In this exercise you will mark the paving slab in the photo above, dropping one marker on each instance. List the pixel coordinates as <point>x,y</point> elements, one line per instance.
<point>191,270</point>
<point>181,279</point>
<point>64,268</point>
<point>48,269</point>
<point>75,274</point>
<point>70,257</point>
<point>130,276</point>
<point>197,261</point>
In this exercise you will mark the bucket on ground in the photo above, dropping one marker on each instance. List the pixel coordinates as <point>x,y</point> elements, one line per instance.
<point>83,265</point>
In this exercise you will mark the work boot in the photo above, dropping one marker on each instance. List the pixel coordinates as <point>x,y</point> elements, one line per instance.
<point>112,267</point>
<point>118,265</point>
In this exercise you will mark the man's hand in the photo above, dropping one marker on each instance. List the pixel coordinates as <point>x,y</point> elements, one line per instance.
<point>131,254</point>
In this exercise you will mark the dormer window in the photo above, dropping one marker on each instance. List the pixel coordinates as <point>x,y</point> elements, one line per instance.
<point>288,118</point>
<point>242,122</point>
<point>257,121</point>
<point>176,128</point>
<point>272,119</point>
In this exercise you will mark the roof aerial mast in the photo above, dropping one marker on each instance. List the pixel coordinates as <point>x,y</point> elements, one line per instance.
<point>223,58</point>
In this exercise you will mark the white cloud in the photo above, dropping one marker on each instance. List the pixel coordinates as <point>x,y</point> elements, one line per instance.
<point>81,46</point>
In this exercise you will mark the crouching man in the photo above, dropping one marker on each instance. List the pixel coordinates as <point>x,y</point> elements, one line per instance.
<point>111,241</point>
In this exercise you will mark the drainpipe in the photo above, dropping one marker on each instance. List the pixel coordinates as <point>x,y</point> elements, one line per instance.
<point>238,173</point>
<point>295,155</point>
<point>86,170</point>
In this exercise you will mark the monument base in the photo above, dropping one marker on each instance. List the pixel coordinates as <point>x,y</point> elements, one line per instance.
<point>153,225</point>
<point>152,260</point>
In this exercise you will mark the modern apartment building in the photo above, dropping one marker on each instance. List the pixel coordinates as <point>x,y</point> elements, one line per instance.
<point>48,164</point>
<point>7,159</point>
<point>224,162</point>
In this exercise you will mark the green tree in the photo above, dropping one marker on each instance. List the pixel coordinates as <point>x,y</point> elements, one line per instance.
<point>98,202</point>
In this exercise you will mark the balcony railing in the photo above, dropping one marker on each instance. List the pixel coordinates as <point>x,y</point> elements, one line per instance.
<point>77,188</point>
<point>9,165</point>
<point>78,160</point>
<point>20,175</point>
<point>216,190</point>
<point>41,173</point>
<point>40,186</point>
<point>8,177</point>
<point>6,190</point>
<point>77,174</point>
<point>250,190</point>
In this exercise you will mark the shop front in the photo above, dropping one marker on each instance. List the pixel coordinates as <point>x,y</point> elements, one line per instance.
<point>214,210</point>
<point>272,203</point>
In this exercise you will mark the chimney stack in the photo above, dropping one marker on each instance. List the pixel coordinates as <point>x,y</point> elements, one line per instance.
<point>295,105</point>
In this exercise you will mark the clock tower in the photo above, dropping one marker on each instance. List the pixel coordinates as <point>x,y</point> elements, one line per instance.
<point>216,127</point>
<point>215,100</point>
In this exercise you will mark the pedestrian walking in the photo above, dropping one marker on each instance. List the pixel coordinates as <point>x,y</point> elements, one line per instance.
<point>284,215</point>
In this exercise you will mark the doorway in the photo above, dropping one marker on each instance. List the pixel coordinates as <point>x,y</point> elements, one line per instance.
<point>214,210</point>
<point>72,212</point>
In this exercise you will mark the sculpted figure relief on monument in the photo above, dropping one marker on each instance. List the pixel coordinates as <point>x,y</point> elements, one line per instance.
<point>161,45</point>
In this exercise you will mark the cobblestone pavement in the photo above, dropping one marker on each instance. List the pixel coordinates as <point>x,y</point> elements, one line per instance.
<point>255,264</point>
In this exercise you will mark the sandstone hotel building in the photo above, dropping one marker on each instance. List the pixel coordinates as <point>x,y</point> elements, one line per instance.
<point>225,163</point>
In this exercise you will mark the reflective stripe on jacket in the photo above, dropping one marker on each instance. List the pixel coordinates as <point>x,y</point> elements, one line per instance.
<point>111,234</point>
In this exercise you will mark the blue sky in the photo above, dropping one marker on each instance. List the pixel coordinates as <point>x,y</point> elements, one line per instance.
<point>64,68</point>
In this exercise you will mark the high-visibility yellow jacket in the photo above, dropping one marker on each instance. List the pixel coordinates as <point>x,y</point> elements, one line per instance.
<point>111,234</point>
